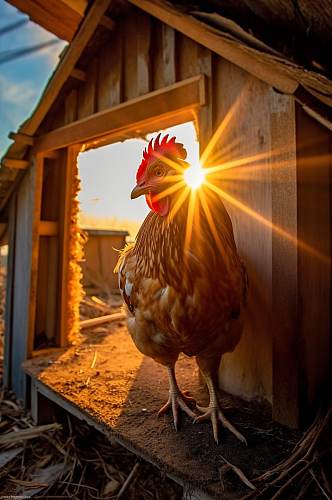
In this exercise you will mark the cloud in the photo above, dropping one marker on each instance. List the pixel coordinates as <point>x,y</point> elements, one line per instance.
<point>17,93</point>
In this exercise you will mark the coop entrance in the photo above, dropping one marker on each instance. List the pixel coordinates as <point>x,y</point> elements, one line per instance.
<point>108,217</point>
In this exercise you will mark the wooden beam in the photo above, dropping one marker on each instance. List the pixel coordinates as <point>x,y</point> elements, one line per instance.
<point>21,138</point>
<point>17,164</point>
<point>67,64</point>
<point>188,94</point>
<point>78,74</point>
<point>51,155</point>
<point>90,323</point>
<point>257,64</point>
<point>3,234</point>
<point>107,22</point>
<point>48,228</point>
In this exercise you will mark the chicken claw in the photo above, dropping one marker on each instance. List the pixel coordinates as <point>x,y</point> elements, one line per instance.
<point>215,414</point>
<point>176,400</point>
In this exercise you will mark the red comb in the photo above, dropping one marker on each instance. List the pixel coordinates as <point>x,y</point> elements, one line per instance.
<point>158,149</point>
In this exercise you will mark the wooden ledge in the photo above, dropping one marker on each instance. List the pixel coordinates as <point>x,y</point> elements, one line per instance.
<point>105,381</point>
<point>16,164</point>
<point>186,95</point>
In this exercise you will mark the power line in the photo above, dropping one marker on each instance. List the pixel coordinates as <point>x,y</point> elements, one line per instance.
<point>11,55</point>
<point>13,26</point>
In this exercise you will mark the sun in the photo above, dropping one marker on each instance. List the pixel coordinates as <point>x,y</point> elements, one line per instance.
<point>194,176</point>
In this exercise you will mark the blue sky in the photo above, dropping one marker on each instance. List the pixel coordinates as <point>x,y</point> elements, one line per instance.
<point>107,174</point>
<point>22,80</point>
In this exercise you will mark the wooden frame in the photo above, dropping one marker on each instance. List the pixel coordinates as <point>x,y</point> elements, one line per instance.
<point>175,104</point>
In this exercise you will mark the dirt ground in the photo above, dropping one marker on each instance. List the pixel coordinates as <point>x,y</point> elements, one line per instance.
<point>106,381</point>
<point>109,380</point>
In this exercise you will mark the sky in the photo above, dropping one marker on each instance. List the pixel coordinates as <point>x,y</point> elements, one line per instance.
<point>108,173</point>
<point>22,80</point>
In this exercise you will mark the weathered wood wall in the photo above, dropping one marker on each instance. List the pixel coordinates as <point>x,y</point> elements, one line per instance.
<point>100,258</point>
<point>141,55</point>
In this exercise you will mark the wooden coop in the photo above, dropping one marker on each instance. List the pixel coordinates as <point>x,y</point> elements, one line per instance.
<point>139,66</point>
<point>100,258</point>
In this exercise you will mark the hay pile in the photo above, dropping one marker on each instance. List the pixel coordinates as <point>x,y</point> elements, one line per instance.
<point>71,460</point>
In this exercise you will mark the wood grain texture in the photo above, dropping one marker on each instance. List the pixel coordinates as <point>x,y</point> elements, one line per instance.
<point>143,53</point>
<point>71,107</point>
<point>130,46</point>
<point>247,371</point>
<point>164,55</point>
<point>15,164</point>
<point>286,341</point>
<point>25,272</point>
<point>314,162</point>
<point>193,29</point>
<point>87,92</point>
<point>110,72</point>
<point>188,94</point>
<point>8,333</point>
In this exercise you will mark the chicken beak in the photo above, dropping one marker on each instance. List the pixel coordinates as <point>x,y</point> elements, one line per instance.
<point>138,191</point>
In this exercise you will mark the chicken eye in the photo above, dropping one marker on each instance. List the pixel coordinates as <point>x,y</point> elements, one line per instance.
<point>158,171</point>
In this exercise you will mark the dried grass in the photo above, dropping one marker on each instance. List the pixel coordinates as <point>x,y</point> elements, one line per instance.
<point>72,461</point>
<point>76,254</point>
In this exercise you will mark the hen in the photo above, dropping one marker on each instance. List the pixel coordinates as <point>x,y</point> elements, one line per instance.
<point>184,284</point>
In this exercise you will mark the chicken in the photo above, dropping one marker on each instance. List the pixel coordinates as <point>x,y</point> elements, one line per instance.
<point>184,284</point>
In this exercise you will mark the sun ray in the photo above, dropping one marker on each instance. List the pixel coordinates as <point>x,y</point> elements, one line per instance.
<point>255,215</point>
<point>170,190</point>
<point>210,220</point>
<point>190,220</point>
<point>179,202</point>
<point>221,128</point>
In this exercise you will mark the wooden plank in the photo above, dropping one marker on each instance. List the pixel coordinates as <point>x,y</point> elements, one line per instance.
<point>163,55</point>
<point>87,92</point>
<point>314,272</point>
<point>187,56</point>
<point>205,113</point>
<point>68,159</point>
<point>78,74</point>
<point>3,233</point>
<point>51,155</point>
<point>108,23</point>
<point>8,333</point>
<point>143,52</point>
<point>245,102</point>
<point>130,58</point>
<point>188,94</point>
<point>71,107</point>
<point>17,164</point>
<point>90,323</point>
<point>22,138</point>
<point>110,72</point>
<point>286,352</point>
<point>48,228</point>
<point>52,288</point>
<point>67,64</point>
<point>56,16</point>
<point>245,59</point>
<point>25,272</point>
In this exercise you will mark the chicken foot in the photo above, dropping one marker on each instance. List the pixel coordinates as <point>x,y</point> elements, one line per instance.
<point>213,412</point>
<point>176,400</point>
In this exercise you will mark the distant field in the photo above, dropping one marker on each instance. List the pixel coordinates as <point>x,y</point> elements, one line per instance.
<point>110,223</point>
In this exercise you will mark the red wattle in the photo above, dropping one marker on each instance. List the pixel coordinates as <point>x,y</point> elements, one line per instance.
<point>161,207</point>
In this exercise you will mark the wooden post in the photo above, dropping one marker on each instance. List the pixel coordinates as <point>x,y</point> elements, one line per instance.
<point>68,162</point>
<point>9,292</point>
<point>286,344</point>
<point>23,306</point>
